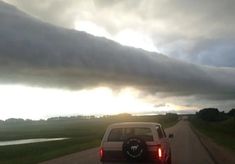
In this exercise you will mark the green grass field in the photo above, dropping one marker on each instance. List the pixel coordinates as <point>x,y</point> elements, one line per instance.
<point>82,134</point>
<point>221,132</point>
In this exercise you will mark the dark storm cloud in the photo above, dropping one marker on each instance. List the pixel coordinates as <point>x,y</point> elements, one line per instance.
<point>171,25</point>
<point>51,50</point>
<point>41,54</point>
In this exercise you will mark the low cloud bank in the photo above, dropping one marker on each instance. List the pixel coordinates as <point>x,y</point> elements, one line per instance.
<point>36,53</point>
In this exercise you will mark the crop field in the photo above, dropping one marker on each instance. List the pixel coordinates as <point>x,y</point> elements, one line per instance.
<point>83,133</point>
<point>222,132</point>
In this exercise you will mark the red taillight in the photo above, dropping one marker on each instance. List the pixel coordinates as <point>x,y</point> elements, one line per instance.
<point>159,152</point>
<point>101,152</point>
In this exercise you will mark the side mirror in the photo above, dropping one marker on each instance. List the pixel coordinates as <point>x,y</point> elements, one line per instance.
<point>171,136</point>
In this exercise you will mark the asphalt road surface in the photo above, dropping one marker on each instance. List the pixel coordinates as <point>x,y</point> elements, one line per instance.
<point>186,149</point>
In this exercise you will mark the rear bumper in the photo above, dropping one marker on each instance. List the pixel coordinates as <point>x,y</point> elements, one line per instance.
<point>118,156</point>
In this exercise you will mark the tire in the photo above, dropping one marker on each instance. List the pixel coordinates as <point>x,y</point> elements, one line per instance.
<point>134,149</point>
<point>169,160</point>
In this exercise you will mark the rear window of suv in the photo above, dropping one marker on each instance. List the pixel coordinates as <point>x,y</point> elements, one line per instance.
<point>121,134</point>
<point>159,131</point>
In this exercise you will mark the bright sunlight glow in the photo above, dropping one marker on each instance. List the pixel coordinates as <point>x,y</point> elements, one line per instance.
<point>126,37</point>
<point>18,101</point>
<point>135,39</point>
<point>91,28</point>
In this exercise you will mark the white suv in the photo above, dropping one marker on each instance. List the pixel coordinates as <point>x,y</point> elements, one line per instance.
<point>135,142</point>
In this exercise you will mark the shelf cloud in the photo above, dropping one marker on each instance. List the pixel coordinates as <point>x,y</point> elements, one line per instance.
<point>199,32</point>
<point>38,53</point>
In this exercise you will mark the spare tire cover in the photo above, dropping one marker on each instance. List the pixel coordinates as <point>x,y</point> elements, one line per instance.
<point>134,148</point>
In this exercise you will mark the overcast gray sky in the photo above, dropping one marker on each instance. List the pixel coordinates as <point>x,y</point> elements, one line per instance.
<point>201,31</point>
<point>191,66</point>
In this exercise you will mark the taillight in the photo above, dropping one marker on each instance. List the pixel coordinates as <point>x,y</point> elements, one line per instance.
<point>159,152</point>
<point>101,152</point>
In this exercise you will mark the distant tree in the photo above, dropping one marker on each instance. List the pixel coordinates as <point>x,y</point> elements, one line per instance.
<point>53,119</point>
<point>232,112</point>
<point>14,120</point>
<point>172,116</point>
<point>168,117</point>
<point>92,117</point>
<point>123,115</point>
<point>211,114</point>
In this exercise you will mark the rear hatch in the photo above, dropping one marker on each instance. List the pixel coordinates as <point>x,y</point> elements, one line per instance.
<point>112,148</point>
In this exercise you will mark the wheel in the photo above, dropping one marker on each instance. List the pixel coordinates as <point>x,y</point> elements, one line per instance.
<point>169,160</point>
<point>134,149</point>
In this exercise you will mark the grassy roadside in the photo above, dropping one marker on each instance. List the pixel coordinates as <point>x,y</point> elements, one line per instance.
<point>221,132</point>
<point>82,134</point>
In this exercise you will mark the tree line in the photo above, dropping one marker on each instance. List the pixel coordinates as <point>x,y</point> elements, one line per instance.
<point>213,114</point>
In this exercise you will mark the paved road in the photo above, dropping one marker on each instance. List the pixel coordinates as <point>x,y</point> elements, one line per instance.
<point>186,149</point>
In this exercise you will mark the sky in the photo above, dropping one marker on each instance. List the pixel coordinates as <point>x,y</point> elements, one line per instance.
<point>188,62</point>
